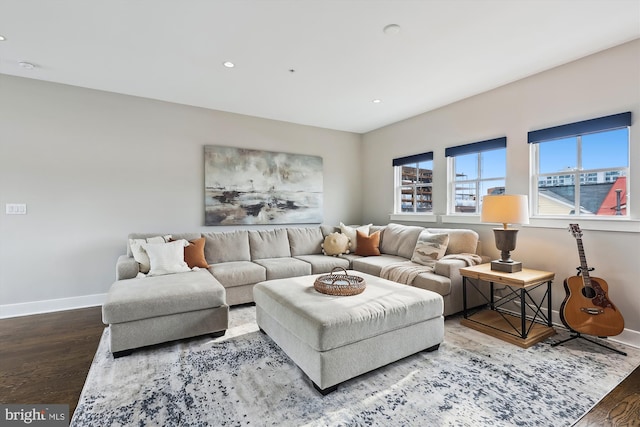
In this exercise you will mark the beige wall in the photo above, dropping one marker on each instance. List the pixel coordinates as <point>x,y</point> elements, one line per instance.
<point>599,85</point>
<point>94,166</point>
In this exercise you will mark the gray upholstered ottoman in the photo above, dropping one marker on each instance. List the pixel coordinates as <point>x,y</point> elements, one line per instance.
<point>153,310</point>
<point>335,338</point>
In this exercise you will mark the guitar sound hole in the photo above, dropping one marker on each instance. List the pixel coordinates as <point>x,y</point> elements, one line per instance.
<point>588,292</point>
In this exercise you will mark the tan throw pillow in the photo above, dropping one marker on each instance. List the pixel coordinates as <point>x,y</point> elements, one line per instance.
<point>430,248</point>
<point>368,245</point>
<point>194,254</point>
<point>351,233</point>
<point>335,244</point>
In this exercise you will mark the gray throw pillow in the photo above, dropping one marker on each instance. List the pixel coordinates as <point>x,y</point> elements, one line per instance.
<point>430,248</point>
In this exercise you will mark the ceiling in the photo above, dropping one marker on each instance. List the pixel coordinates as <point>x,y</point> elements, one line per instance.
<point>313,62</point>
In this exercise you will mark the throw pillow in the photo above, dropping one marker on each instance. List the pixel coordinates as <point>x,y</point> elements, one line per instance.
<point>194,254</point>
<point>351,233</point>
<point>140,255</point>
<point>430,248</point>
<point>335,244</point>
<point>166,258</point>
<point>368,245</point>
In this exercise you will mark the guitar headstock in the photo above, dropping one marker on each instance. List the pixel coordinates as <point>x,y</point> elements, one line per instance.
<point>575,230</point>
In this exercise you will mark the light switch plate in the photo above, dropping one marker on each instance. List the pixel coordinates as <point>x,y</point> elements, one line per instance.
<point>16,209</point>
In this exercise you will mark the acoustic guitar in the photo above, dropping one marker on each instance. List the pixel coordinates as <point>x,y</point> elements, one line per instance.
<point>587,309</point>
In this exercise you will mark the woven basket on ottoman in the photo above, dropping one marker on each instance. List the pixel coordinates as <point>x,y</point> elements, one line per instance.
<point>335,338</point>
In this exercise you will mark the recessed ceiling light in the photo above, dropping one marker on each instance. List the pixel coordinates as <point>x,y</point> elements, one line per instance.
<point>2,38</point>
<point>391,29</point>
<point>229,64</point>
<point>26,65</point>
<point>376,101</point>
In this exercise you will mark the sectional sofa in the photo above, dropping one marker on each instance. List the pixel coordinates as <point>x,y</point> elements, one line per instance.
<point>142,310</point>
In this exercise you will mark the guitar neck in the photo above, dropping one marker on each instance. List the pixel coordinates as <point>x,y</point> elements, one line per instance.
<point>584,269</point>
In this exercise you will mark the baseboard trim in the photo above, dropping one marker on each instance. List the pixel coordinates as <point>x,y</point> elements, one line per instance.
<point>48,306</point>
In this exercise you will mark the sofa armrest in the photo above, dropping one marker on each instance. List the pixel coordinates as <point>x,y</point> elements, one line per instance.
<point>126,267</point>
<point>449,267</point>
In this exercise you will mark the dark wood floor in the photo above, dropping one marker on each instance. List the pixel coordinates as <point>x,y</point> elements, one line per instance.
<point>45,358</point>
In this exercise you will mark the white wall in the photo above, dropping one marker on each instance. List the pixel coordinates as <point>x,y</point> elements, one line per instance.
<point>94,166</point>
<point>599,85</point>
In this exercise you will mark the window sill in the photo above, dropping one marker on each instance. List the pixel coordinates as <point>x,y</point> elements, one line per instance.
<point>413,217</point>
<point>594,224</point>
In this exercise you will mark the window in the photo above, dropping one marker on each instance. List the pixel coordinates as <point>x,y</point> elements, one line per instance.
<point>581,168</point>
<point>414,183</point>
<point>475,170</point>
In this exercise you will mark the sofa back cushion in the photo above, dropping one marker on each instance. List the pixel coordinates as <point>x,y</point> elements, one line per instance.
<point>227,246</point>
<point>269,244</point>
<point>461,240</point>
<point>305,241</point>
<point>399,240</point>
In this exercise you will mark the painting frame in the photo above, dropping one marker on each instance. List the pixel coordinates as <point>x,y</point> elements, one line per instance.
<point>248,186</point>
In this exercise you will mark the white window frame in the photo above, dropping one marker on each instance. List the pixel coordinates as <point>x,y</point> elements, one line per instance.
<point>398,185</point>
<point>575,174</point>
<point>452,183</point>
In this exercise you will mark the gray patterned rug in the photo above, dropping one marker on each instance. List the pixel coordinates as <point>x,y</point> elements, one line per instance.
<point>243,378</point>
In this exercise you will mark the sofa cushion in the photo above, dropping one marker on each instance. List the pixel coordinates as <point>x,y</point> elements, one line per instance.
<point>148,297</point>
<point>328,229</point>
<point>324,264</point>
<point>269,244</point>
<point>281,268</point>
<point>305,241</point>
<point>194,253</point>
<point>335,244</point>
<point>166,258</point>
<point>461,240</point>
<point>430,248</point>
<point>227,246</point>
<point>136,249</point>
<point>350,232</point>
<point>368,245</point>
<point>373,265</point>
<point>400,240</point>
<point>433,282</point>
<point>238,273</point>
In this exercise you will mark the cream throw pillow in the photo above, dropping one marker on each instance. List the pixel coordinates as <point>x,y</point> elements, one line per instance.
<point>166,258</point>
<point>350,232</point>
<point>140,255</point>
<point>430,248</point>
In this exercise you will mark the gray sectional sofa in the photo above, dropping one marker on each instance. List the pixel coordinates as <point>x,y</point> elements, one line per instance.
<point>142,311</point>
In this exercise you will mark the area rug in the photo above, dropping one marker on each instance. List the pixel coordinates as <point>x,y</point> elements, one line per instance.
<point>244,378</point>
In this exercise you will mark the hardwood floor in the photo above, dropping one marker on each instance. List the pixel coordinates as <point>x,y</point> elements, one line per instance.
<point>45,358</point>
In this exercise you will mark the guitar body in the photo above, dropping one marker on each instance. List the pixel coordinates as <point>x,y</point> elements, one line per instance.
<point>587,308</point>
<point>589,312</point>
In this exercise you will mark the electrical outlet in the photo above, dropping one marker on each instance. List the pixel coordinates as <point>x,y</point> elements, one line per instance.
<point>16,209</point>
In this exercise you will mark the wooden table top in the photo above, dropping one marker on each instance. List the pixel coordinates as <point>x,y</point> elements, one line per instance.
<point>525,278</point>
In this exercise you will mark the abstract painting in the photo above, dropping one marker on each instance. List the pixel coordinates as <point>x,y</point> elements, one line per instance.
<point>245,186</point>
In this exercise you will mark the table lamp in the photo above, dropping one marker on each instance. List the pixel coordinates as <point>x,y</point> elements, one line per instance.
<point>505,209</point>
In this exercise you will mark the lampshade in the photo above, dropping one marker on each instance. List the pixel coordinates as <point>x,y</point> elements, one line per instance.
<point>505,209</point>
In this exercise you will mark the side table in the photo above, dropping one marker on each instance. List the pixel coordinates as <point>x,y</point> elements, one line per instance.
<point>524,329</point>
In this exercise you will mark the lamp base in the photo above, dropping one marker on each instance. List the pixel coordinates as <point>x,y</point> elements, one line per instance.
<point>507,267</point>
